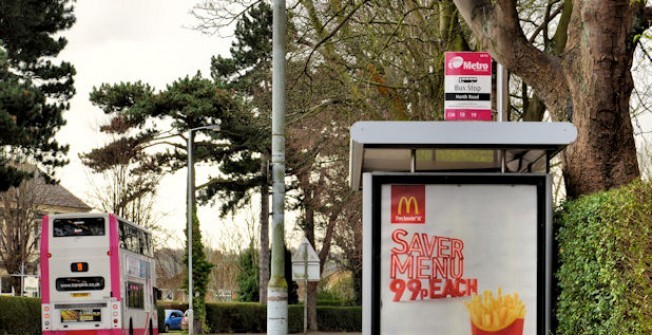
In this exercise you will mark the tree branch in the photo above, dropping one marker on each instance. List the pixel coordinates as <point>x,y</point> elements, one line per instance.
<point>330,35</point>
<point>496,25</point>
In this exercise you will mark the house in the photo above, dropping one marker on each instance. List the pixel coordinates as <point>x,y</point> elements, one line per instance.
<point>33,198</point>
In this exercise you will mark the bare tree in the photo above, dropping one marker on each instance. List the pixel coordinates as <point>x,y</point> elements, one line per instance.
<point>129,177</point>
<point>170,272</point>
<point>20,219</point>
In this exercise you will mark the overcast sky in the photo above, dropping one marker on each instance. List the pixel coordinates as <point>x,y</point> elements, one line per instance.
<point>128,40</point>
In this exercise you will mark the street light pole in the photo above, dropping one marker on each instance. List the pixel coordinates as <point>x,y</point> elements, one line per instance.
<point>277,289</point>
<point>191,193</point>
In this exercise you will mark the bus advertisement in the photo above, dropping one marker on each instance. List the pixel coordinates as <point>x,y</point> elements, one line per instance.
<point>98,276</point>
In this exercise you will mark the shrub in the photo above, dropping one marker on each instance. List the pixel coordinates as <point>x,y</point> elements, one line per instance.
<point>236,317</point>
<point>605,256</point>
<point>239,317</point>
<point>23,316</point>
<point>20,315</point>
<point>339,319</point>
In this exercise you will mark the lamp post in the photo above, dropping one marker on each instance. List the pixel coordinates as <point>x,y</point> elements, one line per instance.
<point>191,191</point>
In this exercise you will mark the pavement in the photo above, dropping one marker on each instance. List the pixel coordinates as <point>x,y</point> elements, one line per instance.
<point>309,333</point>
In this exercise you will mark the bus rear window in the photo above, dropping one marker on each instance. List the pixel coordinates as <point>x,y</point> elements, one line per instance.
<point>80,284</point>
<point>79,227</point>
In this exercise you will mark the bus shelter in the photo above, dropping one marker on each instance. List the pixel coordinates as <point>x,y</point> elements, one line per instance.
<point>457,225</point>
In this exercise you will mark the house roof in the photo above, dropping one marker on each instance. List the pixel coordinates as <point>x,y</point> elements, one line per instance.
<point>57,195</point>
<point>54,195</point>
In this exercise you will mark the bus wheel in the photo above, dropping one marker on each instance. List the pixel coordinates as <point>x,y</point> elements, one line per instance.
<point>131,327</point>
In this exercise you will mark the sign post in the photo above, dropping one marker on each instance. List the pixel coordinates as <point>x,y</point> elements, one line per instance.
<point>467,86</point>
<point>305,267</point>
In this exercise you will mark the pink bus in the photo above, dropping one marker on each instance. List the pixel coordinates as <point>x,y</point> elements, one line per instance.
<point>98,276</point>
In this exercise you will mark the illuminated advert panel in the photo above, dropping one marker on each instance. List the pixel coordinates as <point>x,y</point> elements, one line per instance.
<point>457,255</point>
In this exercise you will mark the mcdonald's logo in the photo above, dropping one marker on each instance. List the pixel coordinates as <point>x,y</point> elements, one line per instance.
<point>408,204</point>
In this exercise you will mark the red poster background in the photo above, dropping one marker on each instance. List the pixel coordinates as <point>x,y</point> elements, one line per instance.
<point>408,204</point>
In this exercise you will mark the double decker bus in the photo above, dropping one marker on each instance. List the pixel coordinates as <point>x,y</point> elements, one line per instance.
<point>98,276</point>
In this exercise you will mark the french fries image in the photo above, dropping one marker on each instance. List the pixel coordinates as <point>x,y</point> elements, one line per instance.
<point>500,315</point>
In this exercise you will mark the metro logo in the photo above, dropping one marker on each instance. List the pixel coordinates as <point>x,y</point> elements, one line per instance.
<point>408,204</point>
<point>467,64</point>
<point>476,66</point>
<point>457,62</point>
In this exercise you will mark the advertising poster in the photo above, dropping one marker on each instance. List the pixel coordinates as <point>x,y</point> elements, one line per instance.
<point>459,259</point>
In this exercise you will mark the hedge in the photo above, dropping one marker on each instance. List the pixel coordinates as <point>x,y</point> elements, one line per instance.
<point>605,263</point>
<point>20,315</point>
<point>239,317</point>
<point>248,317</point>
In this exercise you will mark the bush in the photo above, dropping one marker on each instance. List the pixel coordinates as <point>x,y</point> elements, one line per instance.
<point>236,317</point>
<point>239,317</point>
<point>20,315</point>
<point>339,319</point>
<point>605,256</point>
<point>23,316</point>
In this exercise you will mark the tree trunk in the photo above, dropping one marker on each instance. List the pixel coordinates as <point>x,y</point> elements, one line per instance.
<point>312,286</point>
<point>312,305</point>
<point>264,230</point>
<point>600,84</point>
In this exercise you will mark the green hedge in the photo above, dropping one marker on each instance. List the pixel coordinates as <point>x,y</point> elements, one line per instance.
<point>236,317</point>
<point>339,319</point>
<point>605,263</point>
<point>20,315</point>
<point>248,317</point>
<point>240,317</point>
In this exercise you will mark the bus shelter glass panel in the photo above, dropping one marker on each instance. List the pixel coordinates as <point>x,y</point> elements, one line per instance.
<point>459,255</point>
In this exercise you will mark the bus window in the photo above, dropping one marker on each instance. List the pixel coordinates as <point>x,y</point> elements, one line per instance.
<point>78,227</point>
<point>135,295</point>
<point>121,234</point>
<point>131,234</point>
<point>148,242</point>
<point>141,242</point>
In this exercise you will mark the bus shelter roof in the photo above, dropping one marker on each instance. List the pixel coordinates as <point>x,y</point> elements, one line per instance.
<point>426,146</point>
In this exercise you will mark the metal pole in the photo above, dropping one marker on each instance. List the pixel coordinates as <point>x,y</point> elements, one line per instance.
<point>277,293</point>
<point>305,293</point>
<point>22,278</point>
<point>502,104</point>
<point>191,188</point>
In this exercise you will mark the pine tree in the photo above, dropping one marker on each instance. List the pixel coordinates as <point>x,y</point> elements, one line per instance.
<point>34,91</point>
<point>248,72</point>
<point>146,116</point>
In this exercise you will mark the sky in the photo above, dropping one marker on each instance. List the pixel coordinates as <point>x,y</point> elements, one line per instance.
<point>124,40</point>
